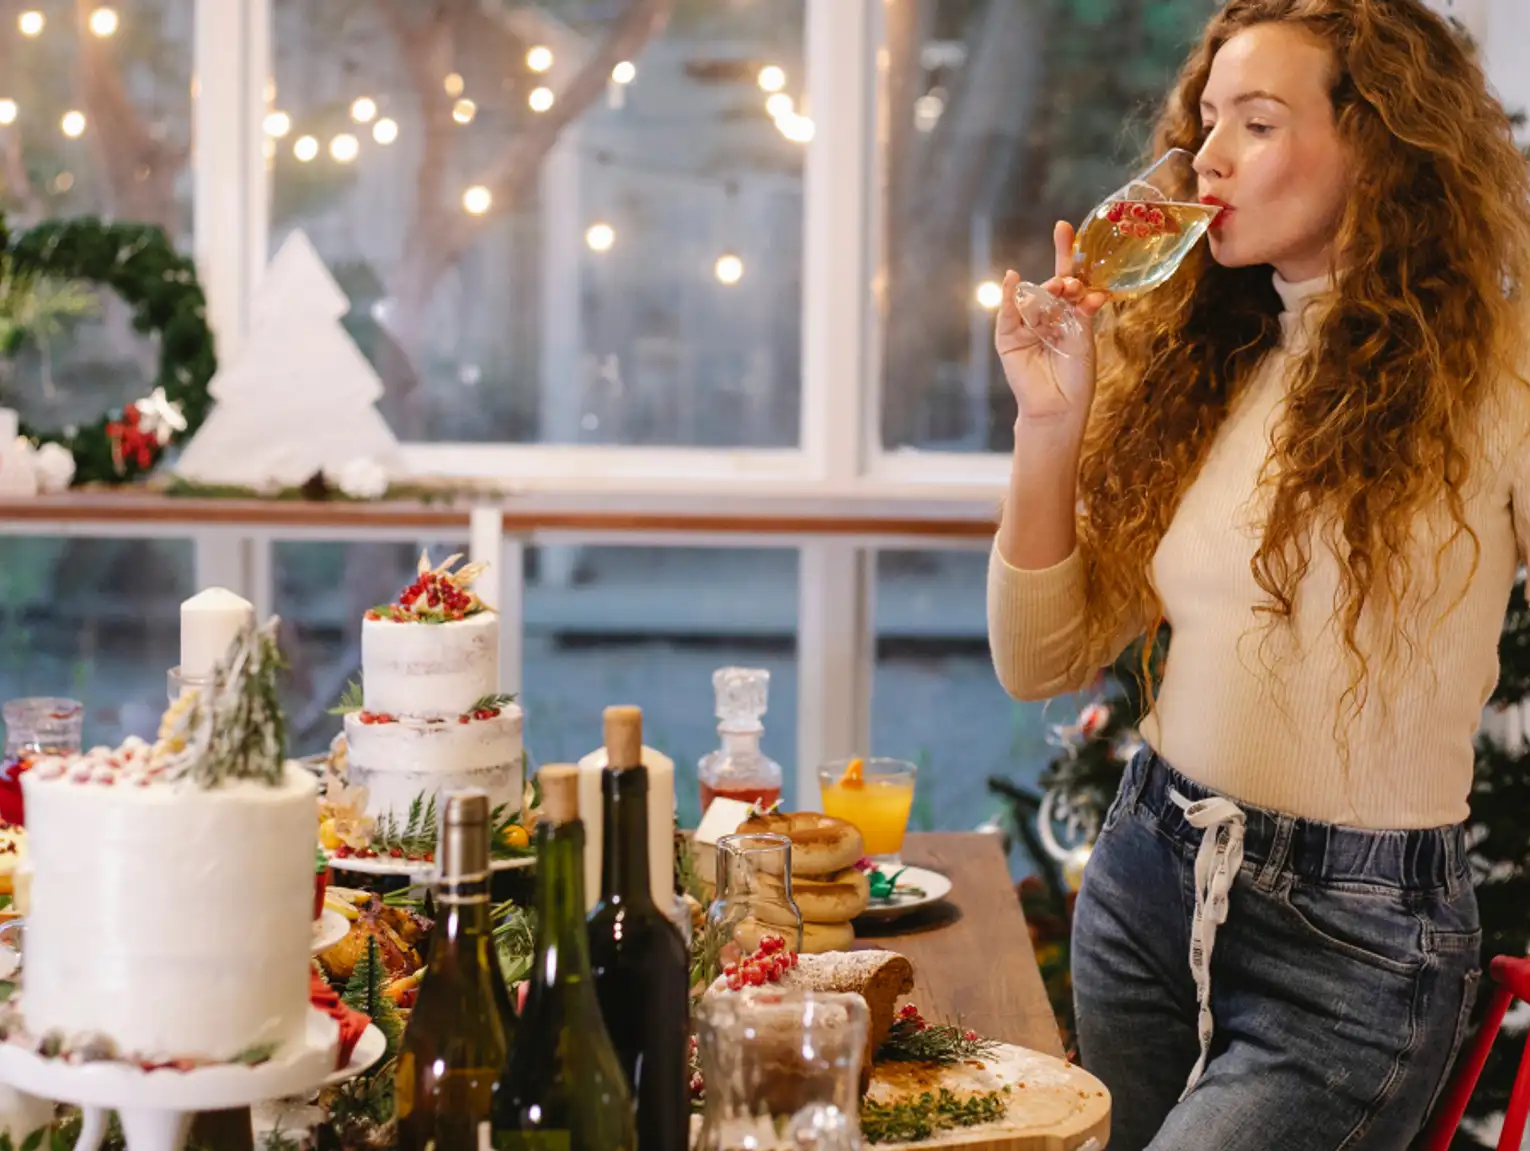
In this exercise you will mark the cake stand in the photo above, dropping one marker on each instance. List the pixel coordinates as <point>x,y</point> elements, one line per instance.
<point>420,869</point>
<point>156,1107</point>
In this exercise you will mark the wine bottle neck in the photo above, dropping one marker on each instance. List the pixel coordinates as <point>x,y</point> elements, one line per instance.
<point>624,837</point>
<point>562,946</point>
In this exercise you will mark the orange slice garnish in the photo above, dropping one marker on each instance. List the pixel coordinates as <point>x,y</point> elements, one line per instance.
<point>854,775</point>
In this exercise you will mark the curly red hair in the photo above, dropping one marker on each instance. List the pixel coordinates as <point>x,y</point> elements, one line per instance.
<point>1436,243</point>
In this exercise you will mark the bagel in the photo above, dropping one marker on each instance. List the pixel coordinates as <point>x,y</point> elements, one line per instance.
<point>821,844</point>
<point>836,898</point>
<point>817,938</point>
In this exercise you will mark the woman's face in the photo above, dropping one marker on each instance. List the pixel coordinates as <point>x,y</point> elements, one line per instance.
<point>1272,153</point>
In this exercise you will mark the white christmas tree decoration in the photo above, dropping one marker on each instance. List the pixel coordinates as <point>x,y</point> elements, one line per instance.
<point>16,475</point>
<point>299,397</point>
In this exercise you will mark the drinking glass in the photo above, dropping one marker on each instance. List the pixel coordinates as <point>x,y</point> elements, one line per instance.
<point>781,1069</point>
<point>42,725</point>
<point>876,794</point>
<point>754,900</point>
<point>1132,242</point>
<point>177,684</point>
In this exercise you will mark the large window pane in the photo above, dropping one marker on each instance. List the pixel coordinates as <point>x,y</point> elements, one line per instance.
<point>1005,116</point>
<point>604,625</point>
<point>555,225</point>
<point>935,698</point>
<point>95,119</point>
<point>95,620</point>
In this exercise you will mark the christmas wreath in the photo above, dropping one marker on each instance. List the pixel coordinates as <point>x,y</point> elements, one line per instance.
<point>139,263</point>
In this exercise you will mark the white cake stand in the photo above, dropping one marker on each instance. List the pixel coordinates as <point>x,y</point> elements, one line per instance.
<point>156,1107</point>
<point>420,869</point>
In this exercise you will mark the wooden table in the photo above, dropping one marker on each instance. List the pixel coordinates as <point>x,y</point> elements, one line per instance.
<point>971,951</point>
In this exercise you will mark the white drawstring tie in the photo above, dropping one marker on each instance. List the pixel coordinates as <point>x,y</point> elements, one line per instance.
<point>1222,823</point>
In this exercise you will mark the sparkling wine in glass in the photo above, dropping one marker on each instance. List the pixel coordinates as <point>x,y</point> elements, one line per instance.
<point>1133,241</point>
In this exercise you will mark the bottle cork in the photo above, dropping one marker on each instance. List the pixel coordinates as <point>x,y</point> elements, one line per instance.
<point>624,737</point>
<point>560,792</point>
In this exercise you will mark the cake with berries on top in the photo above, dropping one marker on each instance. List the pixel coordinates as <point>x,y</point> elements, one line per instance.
<point>429,716</point>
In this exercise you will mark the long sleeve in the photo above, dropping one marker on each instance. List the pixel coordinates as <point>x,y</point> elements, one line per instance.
<point>1036,629</point>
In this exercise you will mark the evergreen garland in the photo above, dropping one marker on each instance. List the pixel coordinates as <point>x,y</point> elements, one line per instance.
<point>139,263</point>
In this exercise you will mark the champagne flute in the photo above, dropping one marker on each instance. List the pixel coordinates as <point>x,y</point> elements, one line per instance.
<point>1132,242</point>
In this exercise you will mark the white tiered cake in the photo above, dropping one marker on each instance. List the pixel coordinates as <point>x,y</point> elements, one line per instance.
<point>171,899</point>
<point>432,718</point>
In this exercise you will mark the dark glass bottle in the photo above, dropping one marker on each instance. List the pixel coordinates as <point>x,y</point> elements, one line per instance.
<point>637,955</point>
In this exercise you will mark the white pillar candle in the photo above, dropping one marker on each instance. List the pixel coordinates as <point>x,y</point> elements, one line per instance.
<point>661,824</point>
<point>210,622</point>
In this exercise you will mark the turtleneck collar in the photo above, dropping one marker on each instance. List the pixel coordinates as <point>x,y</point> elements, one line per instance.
<point>1297,316</point>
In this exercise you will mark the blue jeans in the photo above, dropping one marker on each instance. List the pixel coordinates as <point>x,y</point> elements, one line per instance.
<point>1341,981</point>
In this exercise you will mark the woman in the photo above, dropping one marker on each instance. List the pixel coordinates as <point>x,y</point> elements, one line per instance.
<point>1307,453</point>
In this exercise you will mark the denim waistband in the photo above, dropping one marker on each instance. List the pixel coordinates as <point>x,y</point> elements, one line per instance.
<point>1410,860</point>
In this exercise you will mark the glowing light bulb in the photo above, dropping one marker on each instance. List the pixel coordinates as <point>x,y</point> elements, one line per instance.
<point>729,268</point>
<point>540,58</point>
<point>453,83</point>
<point>277,124</point>
<point>989,294</point>
<point>385,131</point>
<point>72,124</point>
<point>31,23</point>
<point>344,148</point>
<point>363,109</point>
<point>772,78</point>
<point>540,99</point>
<point>8,111</point>
<point>464,110</point>
<point>305,148</point>
<point>600,237</point>
<point>780,105</point>
<point>477,200</point>
<point>625,72</point>
<point>103,22</point>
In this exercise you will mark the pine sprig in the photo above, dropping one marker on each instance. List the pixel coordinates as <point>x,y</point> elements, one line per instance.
<point>364,992</point>
<point>350,699</point>
<point>911,1120</point>
<point>911,1040</point>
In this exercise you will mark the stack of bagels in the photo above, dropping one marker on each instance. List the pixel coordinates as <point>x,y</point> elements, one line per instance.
<point>826,886</point>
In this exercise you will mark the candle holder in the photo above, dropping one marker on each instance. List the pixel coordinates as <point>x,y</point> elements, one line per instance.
<point>180,684</point>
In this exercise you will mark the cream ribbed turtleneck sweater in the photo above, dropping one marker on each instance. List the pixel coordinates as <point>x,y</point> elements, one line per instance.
<point>1250,710</point>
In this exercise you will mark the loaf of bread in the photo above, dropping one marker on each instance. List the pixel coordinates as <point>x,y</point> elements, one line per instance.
<point>878,977</point>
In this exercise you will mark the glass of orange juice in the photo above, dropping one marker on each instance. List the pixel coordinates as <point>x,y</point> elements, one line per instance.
<point>875,794</point>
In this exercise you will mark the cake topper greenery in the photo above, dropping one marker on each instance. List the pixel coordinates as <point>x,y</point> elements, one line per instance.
<point>233,729</point>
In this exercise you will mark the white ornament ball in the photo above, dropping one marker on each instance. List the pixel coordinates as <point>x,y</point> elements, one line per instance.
<point>54,467</point>
<point>363,479</point>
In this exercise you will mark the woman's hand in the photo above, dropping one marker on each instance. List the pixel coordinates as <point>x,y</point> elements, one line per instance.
<point>1050,389</point>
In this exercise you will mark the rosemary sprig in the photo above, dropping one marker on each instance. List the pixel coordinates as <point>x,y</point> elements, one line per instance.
<point>350,699</point>
<point>490,703</point>
<point>914,1041</point>
<point>236,729</point>
<point>914,1119</point>
<point>416,837</point>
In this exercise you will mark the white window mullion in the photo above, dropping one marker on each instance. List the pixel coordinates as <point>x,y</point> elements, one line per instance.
<point>837,313</point>
<point>836,655</point>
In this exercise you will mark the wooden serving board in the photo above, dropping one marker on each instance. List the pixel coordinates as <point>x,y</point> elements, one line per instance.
<point>1054,1106</point>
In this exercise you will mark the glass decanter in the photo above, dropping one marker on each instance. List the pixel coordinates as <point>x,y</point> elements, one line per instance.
<point>781,1069</point>
<point>739,769</point>
<point>754,900</point>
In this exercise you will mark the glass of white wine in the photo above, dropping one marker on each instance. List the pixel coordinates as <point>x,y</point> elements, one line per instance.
<point>1132,242</point>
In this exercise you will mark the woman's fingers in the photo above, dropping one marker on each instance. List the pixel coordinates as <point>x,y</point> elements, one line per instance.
<point>1062,239</point>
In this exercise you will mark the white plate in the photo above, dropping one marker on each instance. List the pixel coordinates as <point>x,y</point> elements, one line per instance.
<point>369,1049</point>
<point>933,885</point>
<point>329,929</point>
<point>420,868</point>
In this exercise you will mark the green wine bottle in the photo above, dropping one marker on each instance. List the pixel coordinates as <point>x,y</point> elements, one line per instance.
<point>459,1032</point>
<point>563,1088</point>
<point>640,962</point>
